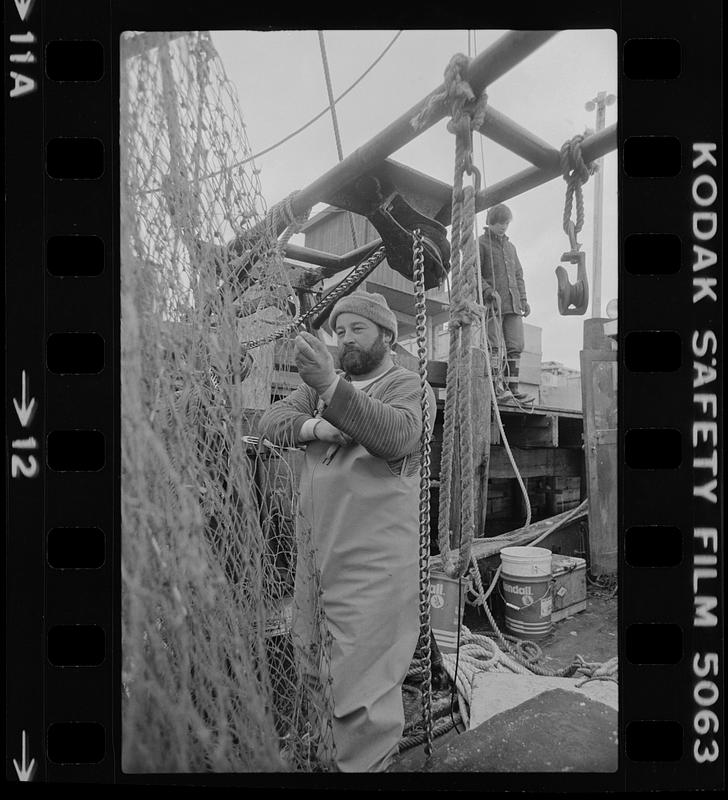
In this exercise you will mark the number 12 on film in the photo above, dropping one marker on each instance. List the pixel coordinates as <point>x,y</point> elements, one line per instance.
<point>24,464</point>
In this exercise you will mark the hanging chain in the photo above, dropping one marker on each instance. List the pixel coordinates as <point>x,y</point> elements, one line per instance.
<point>356,275</point>
<point>418,271</point>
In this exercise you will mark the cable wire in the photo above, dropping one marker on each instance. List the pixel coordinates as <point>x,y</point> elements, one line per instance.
<point>308,124</point>
<point>327,109</point>
<point>335,121</point>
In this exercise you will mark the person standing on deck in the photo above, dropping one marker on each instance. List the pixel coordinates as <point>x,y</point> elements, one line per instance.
<point>360,494</point>
<point>503,288</point>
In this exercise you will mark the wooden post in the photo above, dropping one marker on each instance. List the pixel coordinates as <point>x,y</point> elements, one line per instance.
<point>599,392</point>
<point>481,435</point>
<point>481,409</point>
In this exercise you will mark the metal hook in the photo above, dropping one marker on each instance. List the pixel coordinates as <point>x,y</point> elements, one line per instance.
<point>571,233</point>
<point>473,170</point>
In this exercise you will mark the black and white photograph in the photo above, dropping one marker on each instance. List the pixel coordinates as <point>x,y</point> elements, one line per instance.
<point>368,358</point>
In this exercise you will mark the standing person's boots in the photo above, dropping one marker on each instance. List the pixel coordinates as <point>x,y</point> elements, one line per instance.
<point>513,370</point>
<point>502,392</point>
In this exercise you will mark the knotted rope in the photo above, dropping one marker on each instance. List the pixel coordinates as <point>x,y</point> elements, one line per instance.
<point>284,211</point>
<point>466,112</point>
<point>458,94</point>
<point>575,171</point>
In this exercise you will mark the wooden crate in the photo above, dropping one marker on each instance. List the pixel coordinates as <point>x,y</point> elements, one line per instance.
<point>530,368</point>
<point>569,591</point>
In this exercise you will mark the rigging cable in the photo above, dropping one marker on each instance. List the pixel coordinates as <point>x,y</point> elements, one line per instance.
<point>303,127</point>
<point>337,135</point>
<point>325,110</point>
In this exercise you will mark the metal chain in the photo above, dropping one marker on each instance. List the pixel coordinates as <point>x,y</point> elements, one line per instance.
<point>356,274</point>
<point>418,272</point>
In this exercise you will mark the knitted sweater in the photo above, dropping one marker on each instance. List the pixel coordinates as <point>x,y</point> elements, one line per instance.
<point>385,418</point>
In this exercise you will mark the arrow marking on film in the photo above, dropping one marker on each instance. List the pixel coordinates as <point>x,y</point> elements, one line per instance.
<point>25,773</point>
<point>24,7</point>
<point>24,412</point>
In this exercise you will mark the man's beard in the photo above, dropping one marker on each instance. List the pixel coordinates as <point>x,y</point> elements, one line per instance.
<point>356,361</point>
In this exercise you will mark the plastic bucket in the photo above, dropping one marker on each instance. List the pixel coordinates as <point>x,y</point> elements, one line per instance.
<point>526,589</point>
<point>445,603</point>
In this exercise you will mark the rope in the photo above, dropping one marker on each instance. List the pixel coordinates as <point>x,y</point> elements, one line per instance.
<point>575,172</point>
<point>351,280</point>
<point>337,135</point>
<point>440,727</point>
<point>506,445</point>
<point>424,549</point>
<point>608,671</point>
<point>460,95</point>
<point>284,211</point>
<point>483,595</point>
<point>466,112</point>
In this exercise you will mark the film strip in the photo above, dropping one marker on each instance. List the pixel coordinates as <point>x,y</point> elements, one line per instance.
<point>63,548</point>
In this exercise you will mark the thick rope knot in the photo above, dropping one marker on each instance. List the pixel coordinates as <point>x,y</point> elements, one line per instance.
<point>465,312</point>
<point>467,111</point>
<point>573,166</point>
<point>285,210</point>
<point>575,172</point>
<point>293,222</point>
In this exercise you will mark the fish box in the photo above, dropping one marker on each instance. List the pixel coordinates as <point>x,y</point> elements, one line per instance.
<point>569,586</point>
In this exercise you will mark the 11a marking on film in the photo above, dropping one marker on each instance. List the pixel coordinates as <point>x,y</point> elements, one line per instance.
<point>25,771</point>
<point>23,84</point>
<point>26,466</point>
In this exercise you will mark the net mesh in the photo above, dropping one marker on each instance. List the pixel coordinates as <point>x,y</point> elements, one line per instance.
<point>212,678</point>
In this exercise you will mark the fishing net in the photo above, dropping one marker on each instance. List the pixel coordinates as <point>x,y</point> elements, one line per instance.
<point>212,679</point>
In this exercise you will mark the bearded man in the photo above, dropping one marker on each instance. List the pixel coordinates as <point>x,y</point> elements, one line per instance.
<point>359,491</point>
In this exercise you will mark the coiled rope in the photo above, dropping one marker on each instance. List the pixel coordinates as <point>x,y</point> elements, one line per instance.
<point>521,652</point>
<point>440,727</point>
<point>466,112</point>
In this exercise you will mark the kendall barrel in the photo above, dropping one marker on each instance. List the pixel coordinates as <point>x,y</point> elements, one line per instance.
<point>526,590</point>
<point>446,609</point>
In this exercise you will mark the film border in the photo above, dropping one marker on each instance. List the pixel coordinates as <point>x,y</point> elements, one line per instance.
<point>39,304</point>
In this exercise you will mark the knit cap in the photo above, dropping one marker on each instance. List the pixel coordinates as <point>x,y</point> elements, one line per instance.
<point>370,305</point>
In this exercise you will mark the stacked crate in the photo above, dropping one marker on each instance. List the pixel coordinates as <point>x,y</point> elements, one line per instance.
<point>500,499</point>
<point>529,376</point>
<point>567,493</point>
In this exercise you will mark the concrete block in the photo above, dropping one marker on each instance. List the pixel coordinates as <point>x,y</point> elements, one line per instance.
<point>494,692</point>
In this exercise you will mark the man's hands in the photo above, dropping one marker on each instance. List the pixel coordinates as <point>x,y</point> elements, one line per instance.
<point>526,308</point>
<point>314,362</point>
<point>326,432</point>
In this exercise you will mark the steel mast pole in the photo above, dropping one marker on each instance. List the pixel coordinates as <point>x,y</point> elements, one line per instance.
<point>600,102</point>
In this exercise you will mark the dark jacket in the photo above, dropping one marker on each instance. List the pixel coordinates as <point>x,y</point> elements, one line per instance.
<point>502,271</point>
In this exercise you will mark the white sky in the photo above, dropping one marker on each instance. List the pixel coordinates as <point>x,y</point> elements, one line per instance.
<point>280,81</point>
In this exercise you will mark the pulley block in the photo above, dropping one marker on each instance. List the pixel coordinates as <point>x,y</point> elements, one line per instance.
<point>573,298</point>
<point>394,220</point>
